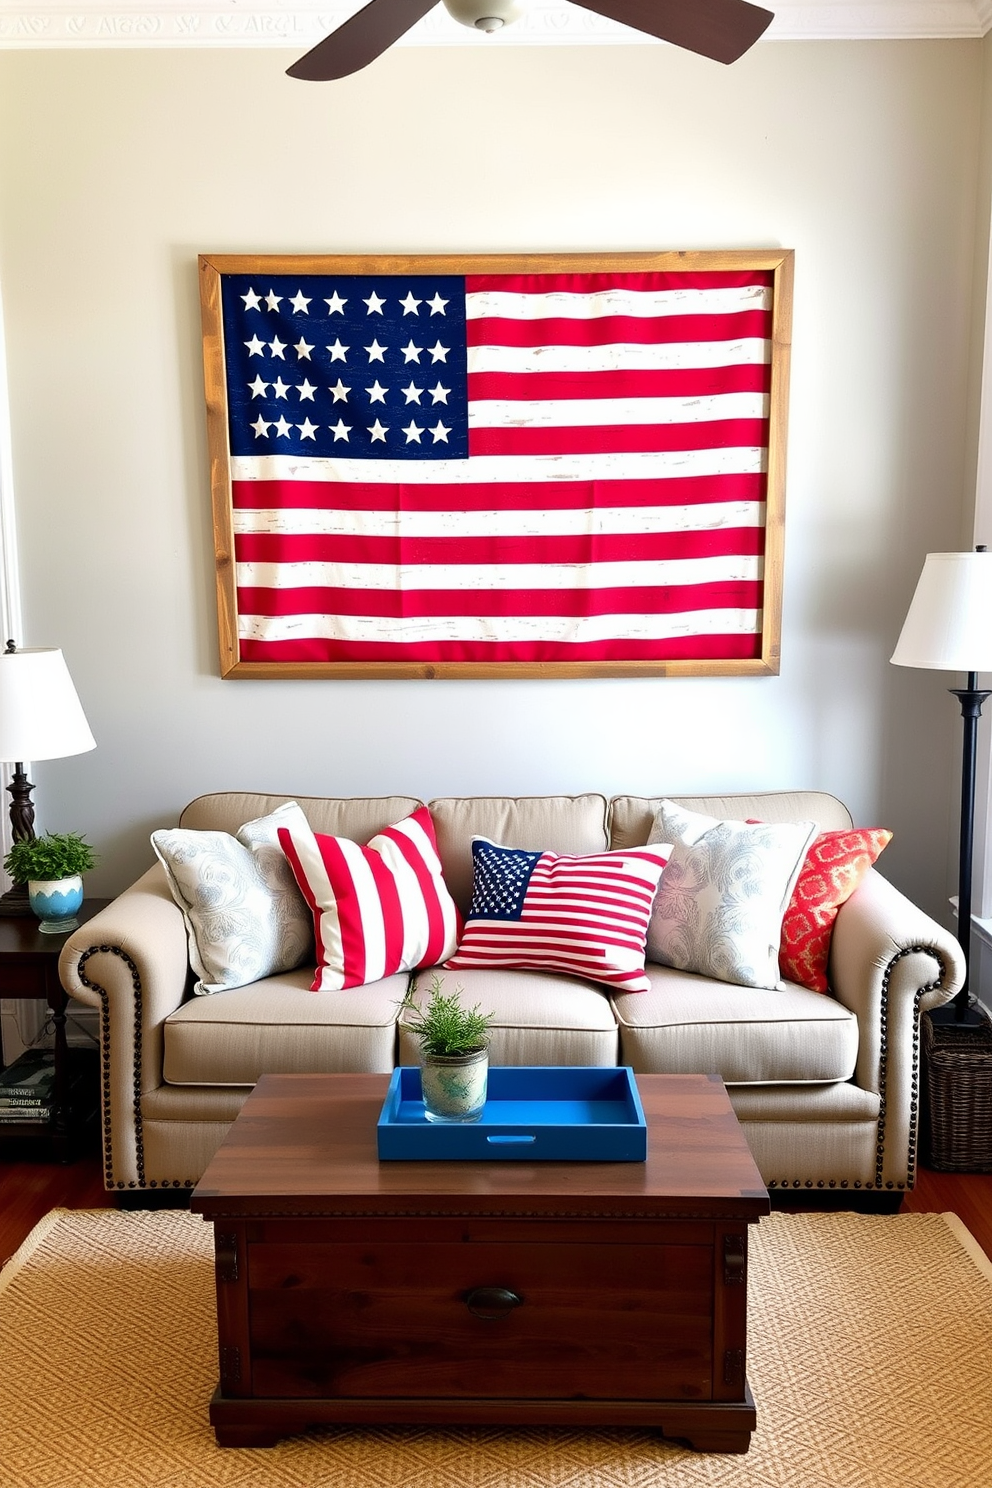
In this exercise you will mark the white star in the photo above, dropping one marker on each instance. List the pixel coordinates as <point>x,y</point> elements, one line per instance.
<point>273,300</point>
<point>411,353</point>
<point>307,429</point>
<point>377,393</point>
<point>412,394</point>
<point>340,392</point>
<point>300,302</point>
<point>376,352</point>
<point>437,304</point>
<point>335,305</point>
<point>277,347</point>
<point>261,428</point>
<point>303,349</point>
<point>258,387</point>
<point>255,346</point>
<point>280,388</point>
<point>252,300</point>
<point>439,394</point>
<point>340,430</point>
<point>410,305</point>
<point>306,390</point>
<point>282,428</point>
<point>338,352</point>
<point>413,432</point>
<point>439,432</point>
<point>438,352</point>
<point>375,304</point>
<point>378,431</point>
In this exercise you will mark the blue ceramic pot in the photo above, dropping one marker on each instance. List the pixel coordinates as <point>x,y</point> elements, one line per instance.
<point>56,902</point>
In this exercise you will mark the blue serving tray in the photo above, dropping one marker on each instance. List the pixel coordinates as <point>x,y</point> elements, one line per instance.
<point>534,1113</point>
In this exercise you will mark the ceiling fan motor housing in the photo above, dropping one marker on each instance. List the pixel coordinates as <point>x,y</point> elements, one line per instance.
<point>484,15</point>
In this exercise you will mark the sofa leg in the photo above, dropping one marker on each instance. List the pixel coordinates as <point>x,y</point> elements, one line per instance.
<point>861,1201</point>
<point>153,1198</point>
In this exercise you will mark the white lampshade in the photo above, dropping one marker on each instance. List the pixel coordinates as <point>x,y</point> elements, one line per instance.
<point>41,716</point>
<point>949,624</point>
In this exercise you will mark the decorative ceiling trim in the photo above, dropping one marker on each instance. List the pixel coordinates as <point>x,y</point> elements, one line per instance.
<point>240,23</point>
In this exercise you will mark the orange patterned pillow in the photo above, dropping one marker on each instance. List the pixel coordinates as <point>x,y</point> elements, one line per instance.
<point>836,862</point>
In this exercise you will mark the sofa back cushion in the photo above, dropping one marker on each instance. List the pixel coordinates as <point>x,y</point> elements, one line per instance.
<point>560,824</point>
<point>632,817</point>
<point>358,817</point>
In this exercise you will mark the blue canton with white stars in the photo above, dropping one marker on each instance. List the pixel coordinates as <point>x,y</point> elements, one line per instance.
<point>501,877</point>
<point>348,366</point>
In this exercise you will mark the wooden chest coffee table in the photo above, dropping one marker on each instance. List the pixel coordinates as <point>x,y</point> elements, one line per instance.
<point>353,1290</point>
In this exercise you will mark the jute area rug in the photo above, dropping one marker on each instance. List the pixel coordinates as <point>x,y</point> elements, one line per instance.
<point>870,1358</point>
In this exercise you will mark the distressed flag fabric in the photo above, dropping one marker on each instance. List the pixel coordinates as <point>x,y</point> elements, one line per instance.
<point>498,468</point>
<point>587,916</point>
<point>377,909</point>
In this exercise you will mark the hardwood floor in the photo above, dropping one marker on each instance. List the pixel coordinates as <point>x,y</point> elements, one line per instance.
<point>28,1190</point>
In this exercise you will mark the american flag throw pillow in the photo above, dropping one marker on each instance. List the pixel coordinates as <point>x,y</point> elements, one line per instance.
<point>546,911</point>
<point>377,909</point>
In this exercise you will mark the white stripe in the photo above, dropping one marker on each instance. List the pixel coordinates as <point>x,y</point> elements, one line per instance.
<point>706,516</point>
<point>330,925</point>
<point>523,628</point>
<point>369,908</point>
<point>653,573</point>
<point>626,356</point>
<point>560,304</point>
<point>413,911</point>
<point>567,413</point>
<point>483,470</point>
<point>415,833</point>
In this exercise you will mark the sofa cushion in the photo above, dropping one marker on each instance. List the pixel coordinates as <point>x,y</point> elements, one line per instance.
<point>561,824</point>
<point>245,917</point>
<point>688,1024</point>
<point>586,916</point>
<point>278,1027</point>
<point>377,909</point>
<point>723,895</point>
<point>540,1018</point>
<point>358,817</point>
<point>632,817</point>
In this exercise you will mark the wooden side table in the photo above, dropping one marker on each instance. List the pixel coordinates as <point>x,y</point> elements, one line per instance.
<point>29,970</point>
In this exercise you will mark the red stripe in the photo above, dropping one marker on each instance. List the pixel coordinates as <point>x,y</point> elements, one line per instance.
<point>571,548</point>
<point>620,330</point>
<point>427,884</point>
<point>390,906</point>
<point>289,848</point>
<point>543,495</point>
<point>679,648</point>
<point>673,382</point>
<point>415,604</point>
<point>647,281</point>
<point>347,908</point>
<point>620,439</point>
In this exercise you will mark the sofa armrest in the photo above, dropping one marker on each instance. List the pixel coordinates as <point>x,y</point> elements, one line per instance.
<point>131,963</point>
<point>888,963</point>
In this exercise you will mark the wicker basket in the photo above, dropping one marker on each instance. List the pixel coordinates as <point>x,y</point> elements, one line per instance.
<point>957,1096</point>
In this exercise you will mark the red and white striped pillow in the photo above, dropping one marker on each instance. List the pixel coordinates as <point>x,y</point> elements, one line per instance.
<point>377,909</point>
<point>546,911</point>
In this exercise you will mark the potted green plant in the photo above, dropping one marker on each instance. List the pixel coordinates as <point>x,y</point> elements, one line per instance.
<point>52,867</point>
<point>454,1052</point>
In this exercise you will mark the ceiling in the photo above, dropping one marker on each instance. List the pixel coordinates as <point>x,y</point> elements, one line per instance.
<point>299,23</point>
<point>555,23</point>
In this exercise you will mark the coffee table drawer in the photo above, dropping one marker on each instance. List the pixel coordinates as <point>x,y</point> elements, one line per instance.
<point>474,1320</point>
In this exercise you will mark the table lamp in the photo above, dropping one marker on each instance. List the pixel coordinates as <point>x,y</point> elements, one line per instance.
<point>949,628</point>
<point>41,718</point>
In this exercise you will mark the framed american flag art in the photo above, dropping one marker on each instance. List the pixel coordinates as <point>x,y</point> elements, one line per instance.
<point>550,465</point>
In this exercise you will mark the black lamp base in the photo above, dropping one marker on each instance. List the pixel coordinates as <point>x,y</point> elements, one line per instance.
<point>953,1015</point>
<point>14,904</point>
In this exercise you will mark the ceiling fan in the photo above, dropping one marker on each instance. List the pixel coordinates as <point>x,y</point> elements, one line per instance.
<point>720,29</point>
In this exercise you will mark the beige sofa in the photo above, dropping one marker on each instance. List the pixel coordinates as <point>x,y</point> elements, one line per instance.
<point>826,1087</point>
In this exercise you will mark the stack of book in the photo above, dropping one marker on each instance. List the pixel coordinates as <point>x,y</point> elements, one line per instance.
<point>27,1088</point>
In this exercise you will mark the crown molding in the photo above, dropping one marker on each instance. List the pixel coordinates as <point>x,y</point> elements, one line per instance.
<point>265,23</point>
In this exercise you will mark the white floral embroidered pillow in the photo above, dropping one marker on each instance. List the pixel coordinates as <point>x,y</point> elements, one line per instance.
<point>724,894</point>
<point>245,917</point>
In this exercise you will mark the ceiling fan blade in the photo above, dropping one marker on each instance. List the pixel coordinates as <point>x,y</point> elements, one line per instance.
<point>720,29</point>
<point>360,39</point>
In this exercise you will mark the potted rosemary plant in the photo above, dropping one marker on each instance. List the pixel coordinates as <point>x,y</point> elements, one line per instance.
<point>454,1052</point>
<point>52,867</point>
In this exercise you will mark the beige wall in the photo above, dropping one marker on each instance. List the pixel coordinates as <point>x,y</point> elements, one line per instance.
<point>116,169</point>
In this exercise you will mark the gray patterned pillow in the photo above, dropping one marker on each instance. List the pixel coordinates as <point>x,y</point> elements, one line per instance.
<point>724,893</point>
<point>245,916</point>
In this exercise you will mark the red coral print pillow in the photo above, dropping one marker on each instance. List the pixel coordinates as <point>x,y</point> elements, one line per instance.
<point>836,862</point>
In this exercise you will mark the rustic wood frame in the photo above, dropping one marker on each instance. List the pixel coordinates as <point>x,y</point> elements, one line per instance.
<point>213,266</point>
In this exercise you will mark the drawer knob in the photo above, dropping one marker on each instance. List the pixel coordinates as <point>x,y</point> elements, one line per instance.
<point>492,1302</point>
